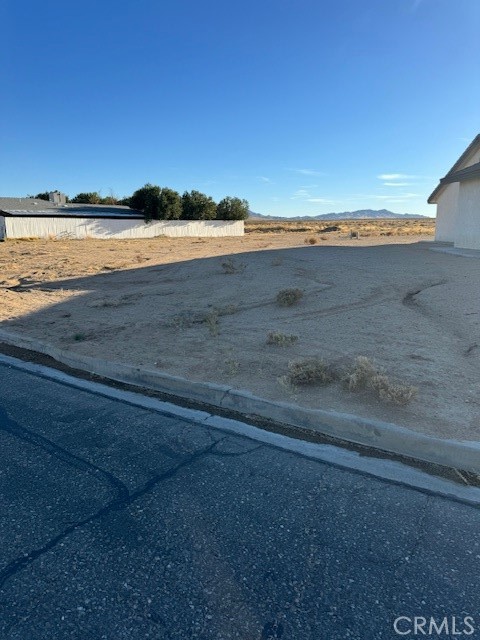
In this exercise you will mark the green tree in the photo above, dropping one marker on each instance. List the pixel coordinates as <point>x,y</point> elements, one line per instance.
<point>42,196</point>
<point>109,200</point>
<point>92,197</point>
<point>232,209</point>
<point>170,205</point>
<point>198,206</point>
<point>157,203</point>
<point>147,199</point>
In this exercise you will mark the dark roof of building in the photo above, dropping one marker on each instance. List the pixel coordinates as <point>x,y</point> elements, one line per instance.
<point>472,148</point>
<point>469,173</point>
<point>27,207</point>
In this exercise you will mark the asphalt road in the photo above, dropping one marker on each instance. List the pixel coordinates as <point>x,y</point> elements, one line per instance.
<point>119,523</point>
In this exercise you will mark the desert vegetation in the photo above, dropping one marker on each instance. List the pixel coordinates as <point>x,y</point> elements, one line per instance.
<point>344,340</point>
<point>231,266</point>
<point>289,297</point>
<point>362,374</point>
<point>365,228</point>
<point>280,339</point>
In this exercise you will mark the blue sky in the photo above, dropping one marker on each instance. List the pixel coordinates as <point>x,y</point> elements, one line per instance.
<point>301,106</point>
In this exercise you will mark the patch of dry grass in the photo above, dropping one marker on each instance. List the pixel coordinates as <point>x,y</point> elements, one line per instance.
<point>230,266</point>
<point>187,319</point>
<point>392,391</point>
<point>365,375</point>
<point>232,367</point>
<point>360,375</point>
<point>211,320</point>
<point>289,297</point>
<point>307,372</point>
<point>280,339</point>
<point>365,228</point>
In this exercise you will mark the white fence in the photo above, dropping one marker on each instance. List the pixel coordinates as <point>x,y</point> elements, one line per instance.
<point>110,228</point>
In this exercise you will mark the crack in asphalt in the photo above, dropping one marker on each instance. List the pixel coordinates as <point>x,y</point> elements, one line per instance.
<point>236,454</point>
<point>7,425</point>
<point>120,502</point>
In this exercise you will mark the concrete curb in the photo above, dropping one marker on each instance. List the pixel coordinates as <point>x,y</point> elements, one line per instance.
<point>384,436</point>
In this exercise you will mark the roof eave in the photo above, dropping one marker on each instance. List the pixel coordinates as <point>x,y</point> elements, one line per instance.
<point>472,147</point>
<point>433,197</point>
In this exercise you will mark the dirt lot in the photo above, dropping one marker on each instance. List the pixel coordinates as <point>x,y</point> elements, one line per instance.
<point>203,309</point>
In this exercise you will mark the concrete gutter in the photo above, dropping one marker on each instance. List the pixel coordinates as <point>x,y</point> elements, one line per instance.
<point>383,436</point>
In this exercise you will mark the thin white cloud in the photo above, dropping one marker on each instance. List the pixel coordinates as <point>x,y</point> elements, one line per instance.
<point>397,184</point>
<point>397,197</point>
<point>308,172</point>
<point>264,179</point>
<point>300,194</point>
<point>304,194</point>
<point>394,176</point>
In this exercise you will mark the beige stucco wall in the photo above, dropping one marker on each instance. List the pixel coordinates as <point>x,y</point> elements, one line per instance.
<point>467,226</point>
<point>447,205</point>
<point>79,228</point>
<point>447,213</point>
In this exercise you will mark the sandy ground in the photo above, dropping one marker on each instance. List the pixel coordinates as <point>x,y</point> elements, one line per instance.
<point>170,304</point>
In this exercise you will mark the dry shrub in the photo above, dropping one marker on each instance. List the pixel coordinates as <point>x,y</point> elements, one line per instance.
<point>228,310</point>
<point>232,367</point>
<point>289,388</point>
<point>281,339</point>
<point>309,371</point>
<point>364,374</point>
<point>230,267</point>
<point>391,391</point>
<point>311,240</point>
<point>211,320</point>
<point>361,374</point>
<point>289,297</point>
<point>187,319</point>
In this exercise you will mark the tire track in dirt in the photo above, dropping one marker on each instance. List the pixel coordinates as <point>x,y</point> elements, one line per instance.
<point>373,299</point>
<point>466,348</point>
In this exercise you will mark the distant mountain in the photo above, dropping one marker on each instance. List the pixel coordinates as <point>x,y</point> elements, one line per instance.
<point>361,214</point>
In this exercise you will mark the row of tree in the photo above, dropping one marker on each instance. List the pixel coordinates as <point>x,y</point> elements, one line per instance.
<point>159,203</point>
<point>162,203</point>
<point>87,197</point>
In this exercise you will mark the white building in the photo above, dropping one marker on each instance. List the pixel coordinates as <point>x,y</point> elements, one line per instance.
<point>33,218</point>
<point>458,201</point>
